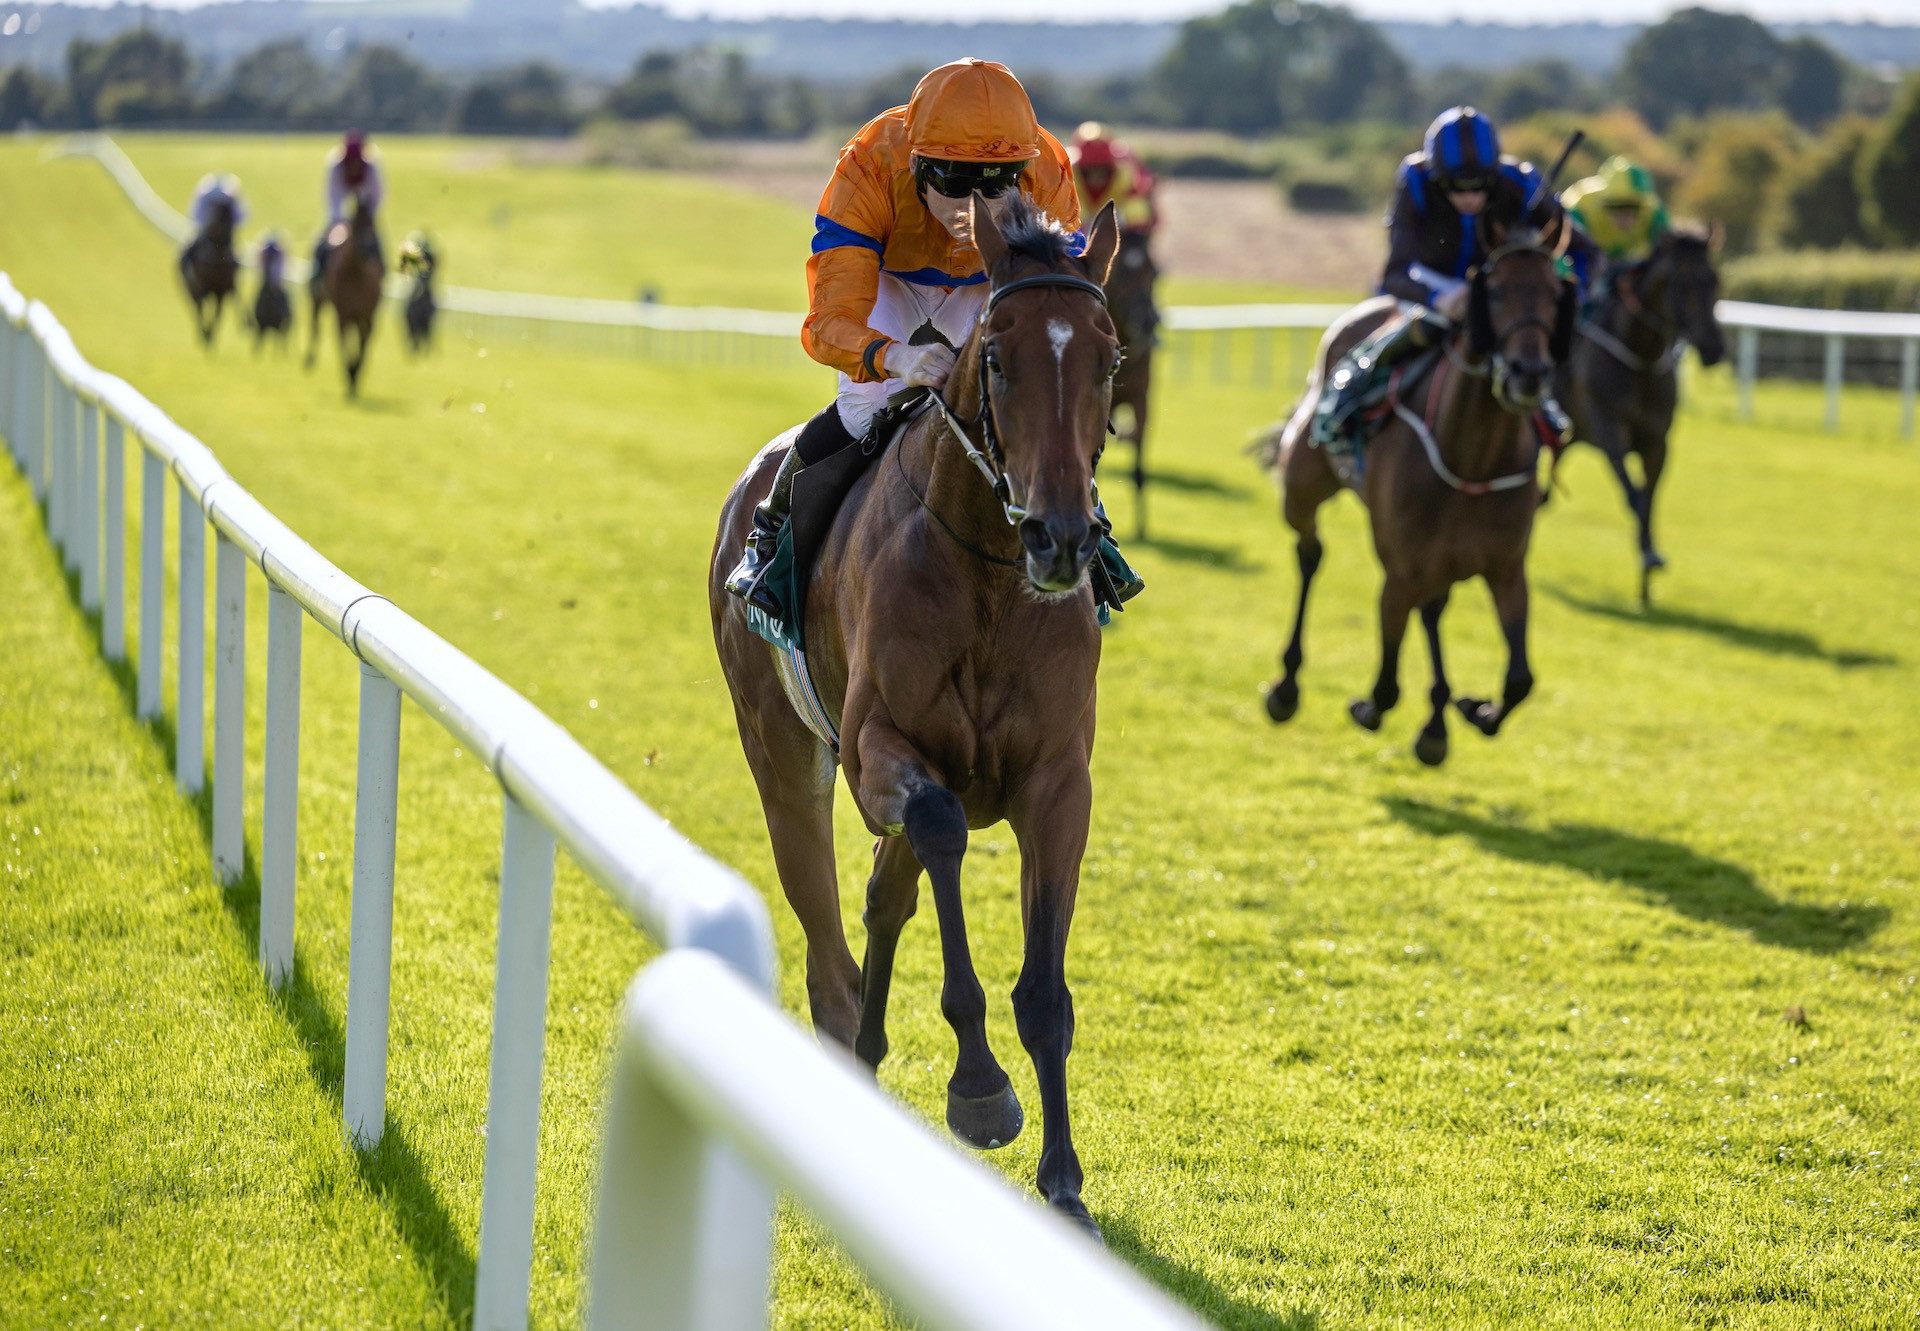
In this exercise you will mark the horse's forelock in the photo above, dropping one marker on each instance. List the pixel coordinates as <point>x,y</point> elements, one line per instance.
<point>1030,233</point>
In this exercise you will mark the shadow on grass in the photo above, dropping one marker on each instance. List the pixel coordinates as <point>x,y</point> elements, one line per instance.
<point>1696,885</point>
<point>1753,637</point>
<point>393,1170</point>
<point>1195,1290</point>
<point>1226,558</point>
<point>1191,483</point>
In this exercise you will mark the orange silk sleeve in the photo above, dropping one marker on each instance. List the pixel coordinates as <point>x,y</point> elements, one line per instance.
<point>850,234</point>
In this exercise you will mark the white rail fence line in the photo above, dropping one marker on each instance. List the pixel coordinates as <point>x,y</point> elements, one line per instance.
<point>1272,343</point>
<point>702,1121</point>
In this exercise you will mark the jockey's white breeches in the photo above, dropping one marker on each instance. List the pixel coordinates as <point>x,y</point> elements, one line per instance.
<point>898,309</point>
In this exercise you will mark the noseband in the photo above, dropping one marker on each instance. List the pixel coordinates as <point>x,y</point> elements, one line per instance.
<point>988,456</point>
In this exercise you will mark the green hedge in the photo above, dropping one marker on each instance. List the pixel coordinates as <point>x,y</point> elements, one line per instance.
<point>1848,279</point>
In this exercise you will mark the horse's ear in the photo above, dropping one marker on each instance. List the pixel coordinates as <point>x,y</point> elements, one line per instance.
<point>1480,340</point>
<point>986,233</point>
<point>1566,319</point>
<point>1103,243</point>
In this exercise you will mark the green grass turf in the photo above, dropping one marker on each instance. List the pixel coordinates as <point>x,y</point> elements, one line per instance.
<point>502,218</point>
<point>1359,1043</point>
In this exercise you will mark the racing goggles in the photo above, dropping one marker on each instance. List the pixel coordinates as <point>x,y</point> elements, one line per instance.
<point>957,180</point>
<point>1468,182</point>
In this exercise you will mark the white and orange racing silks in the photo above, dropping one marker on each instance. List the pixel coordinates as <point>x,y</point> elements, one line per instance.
<point>871,222</point>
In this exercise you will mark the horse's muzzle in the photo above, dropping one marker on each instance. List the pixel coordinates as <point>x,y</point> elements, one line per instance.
<point>1058,550</point>
<point>1520,387</point>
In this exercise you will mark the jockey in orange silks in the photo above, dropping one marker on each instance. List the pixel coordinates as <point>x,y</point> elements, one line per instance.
<point>1105,169</point>
<point>892,258</point>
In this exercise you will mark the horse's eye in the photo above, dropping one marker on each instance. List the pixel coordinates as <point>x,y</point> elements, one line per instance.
<point>991,359</point>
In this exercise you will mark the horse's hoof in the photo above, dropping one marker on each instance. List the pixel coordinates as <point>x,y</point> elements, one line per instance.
<point>1074,1212</point>
<point>1283,700</point>
<point>986,1123</point>
<point>1365,713</point>
<point>1480,713</point>
<point>1652,560</point>
<point>1430,748</point>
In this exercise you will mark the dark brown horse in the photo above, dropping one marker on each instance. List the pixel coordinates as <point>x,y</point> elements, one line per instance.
<point>950,629</point>
<point>1620,384</point>
<point>1449,480</point>
<point>208,266</point>
<point>1130,297</point>
<point>351,281</point>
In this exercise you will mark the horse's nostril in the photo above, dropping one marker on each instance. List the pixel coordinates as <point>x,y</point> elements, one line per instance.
<point>1038,540</point>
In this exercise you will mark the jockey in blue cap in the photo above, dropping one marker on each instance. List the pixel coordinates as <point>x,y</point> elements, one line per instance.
<point>1433,244</point>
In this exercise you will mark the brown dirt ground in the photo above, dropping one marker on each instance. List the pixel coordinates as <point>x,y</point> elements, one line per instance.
<point>1211,230</point>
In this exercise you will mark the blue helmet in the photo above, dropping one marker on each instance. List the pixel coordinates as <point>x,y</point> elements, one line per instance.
<point>1463,149</point>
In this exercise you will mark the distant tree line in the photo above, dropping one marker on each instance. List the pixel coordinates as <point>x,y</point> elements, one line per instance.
<point>1258,68</point>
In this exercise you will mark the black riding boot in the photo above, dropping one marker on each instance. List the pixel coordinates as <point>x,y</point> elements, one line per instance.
<point>1362,369</point>
<point>819,438</point>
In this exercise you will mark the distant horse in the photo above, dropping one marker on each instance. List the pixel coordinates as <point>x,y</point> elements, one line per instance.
<point>272,309</point>
<point>351,282</point>
<point>1449,480</point>
<point>950,627</point>
<point>207,266</point>
<point>1130,297</point>
<point>420,304</point>
<point>1620,384</point>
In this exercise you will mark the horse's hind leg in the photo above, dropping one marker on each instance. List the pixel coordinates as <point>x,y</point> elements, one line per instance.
<point>1309,484</point>
<point>898,790</point>
<point>314,302</point>
<point>1431,747</point>
<point>1050,818</point>
<point>1510,601</point>
<point>1653,462</point>
<point>1396,604</point>
<point>892,896</point>
<point>794,774</point>
<point>1283,699</point>
<point>1139,432</point>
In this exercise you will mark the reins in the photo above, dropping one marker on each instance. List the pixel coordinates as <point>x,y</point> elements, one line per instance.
<point>1667,329</point>
<point>988,457</point>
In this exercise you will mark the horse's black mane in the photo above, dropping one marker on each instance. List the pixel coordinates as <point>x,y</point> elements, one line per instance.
<point>1031,234</point>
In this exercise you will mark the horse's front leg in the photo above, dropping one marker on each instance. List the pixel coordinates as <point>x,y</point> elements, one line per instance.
<point>1396,604</point>
<point>1431,747</point>
<point>1050,818</point>
<point>899,793</point>
<point>893,894</point>
<point>1509,588</point>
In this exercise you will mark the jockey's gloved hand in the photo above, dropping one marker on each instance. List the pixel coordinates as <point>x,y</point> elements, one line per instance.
<point>923,366</point>
<point>1452,305</point>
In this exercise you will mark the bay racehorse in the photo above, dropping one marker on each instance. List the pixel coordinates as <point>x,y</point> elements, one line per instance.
<point>1620,384</point>
<point>208,267</point>
<point>950,628</point>
<point>350,281</point>
<point>1130,297</point>
<point>1449,479</point>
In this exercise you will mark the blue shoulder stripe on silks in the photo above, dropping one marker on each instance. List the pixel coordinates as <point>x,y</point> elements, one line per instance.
<point>933,277</point>
<point>830,235</point>
<point>1414,177</point>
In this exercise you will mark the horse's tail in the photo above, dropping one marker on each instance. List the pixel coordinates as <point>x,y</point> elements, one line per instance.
<point>1265,448</point>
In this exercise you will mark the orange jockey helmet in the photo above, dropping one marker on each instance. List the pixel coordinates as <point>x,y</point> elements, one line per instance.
<point>971,128</point>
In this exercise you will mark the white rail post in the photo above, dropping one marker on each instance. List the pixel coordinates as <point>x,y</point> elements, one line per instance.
<point>683,1229</point>
<point>1747,365</point>
<point>190,718</point>
<point>1909,383</point>
<point>280,786</point>
<point>153,591</point>
<point>89,525</point>
<point>36,396</point>
<point>59,490</point>
<point>229,708</point>
<point>1836,363</point>
<point>370,962</point>
<point>503,1269</point>
<point>10,376</point>
<point>113,623</point>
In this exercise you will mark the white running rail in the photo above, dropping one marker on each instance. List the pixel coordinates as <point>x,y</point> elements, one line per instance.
<point>718,1097</point>
<point>1234,335</point>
